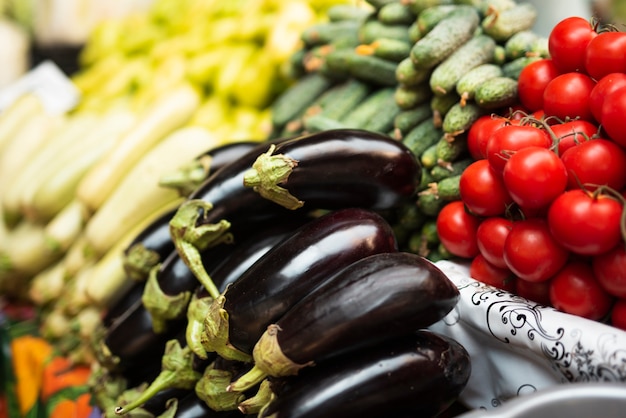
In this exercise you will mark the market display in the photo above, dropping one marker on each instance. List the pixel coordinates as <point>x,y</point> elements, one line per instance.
<point>246,212</point>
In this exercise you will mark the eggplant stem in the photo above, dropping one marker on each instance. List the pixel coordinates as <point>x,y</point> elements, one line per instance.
<point>254,404</point>
<point>216,332</point>
<point>211,388</point>
<point>196,312</point>
<point>162,307</point>
<point>248,380</point>
<point>190,239</point>
<point>138,262</point>
<point>188,177</point>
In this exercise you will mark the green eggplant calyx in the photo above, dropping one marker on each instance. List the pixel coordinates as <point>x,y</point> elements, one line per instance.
<point>196,312</point>
<point>267,172</point>
<point>190,238</point>
<point>162,307</point>
<point>211,388</point>
<point>106,387</point>
<point>176,372</point>
<point>188,177</point>
<point>138,262</point>
<point>216,330</point>
<point>254,404</point>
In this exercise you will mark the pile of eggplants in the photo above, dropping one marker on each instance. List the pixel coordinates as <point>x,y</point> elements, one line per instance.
<point>277,289</point>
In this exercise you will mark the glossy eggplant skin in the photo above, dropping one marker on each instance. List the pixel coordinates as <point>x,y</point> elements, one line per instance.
<point>289,271</point>
<point>193,407</point>
<point>415,375</point>
<point>376,298</point>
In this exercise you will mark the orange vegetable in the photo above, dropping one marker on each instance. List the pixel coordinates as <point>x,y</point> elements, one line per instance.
<point>59,373</point>
<point>67,408</point>
<point>29,354</point>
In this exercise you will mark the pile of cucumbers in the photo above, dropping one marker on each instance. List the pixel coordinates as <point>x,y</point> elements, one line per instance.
<point>419,71</point>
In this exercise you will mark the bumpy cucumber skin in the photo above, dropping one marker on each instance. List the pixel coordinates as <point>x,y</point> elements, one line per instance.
<point>298,98</point>
<point>468,83</point>
<point>461,117</point>
<point>497,92</point>
<point>501,26</point>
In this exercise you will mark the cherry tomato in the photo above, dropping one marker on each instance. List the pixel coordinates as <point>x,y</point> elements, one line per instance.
<point>536,291</point>
<point>534,177</point>
<point>596,162</point>
<point>457,229</point>
<point>508,139</point>
<point>567,96</point>
<point>573,132</point>
<point>605,54</point>
<point>491,234</point>
<point>618,314</point>
<point>533,80</point>
<point>485,272</point>
<point>479,134</point>
<point>584,222</point>
<point>483,190</point>
<point>567,43</point>
<point>531,252</point>
<point>574,290</point>
<point>610,270</point>
<point>612,117</point>
<point>604,86</point>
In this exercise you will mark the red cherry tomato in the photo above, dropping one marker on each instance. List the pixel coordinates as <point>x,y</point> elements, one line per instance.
<point>534,177</point>
<point>618,314</point>
<point>567,97</point>
<point>604,86</point>
<point>531,252</point>
<point>612,118</point>
<point>483,190</point>
<point>610,270</point>
<point>585,223</point>
<point>605,54</point>
<point>568,42</point>
<point>536,291</point>
<point>533,80</point>
<point>596,162</point>
<point>574,290</point>
<point>491,234</point>
<point>573,132</point>
<point>485,272</point>
<point>508,139</point>
<point>457,230</point>
<point>479,134</point>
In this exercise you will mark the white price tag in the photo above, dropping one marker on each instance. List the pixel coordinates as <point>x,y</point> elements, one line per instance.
<point>46,81</point>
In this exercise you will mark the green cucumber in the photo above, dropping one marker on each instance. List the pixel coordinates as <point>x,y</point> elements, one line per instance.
<point>487,6</point>
<point>418,6</point>
<point>477,51</point>
<point>428,158</point>
<point>446,37</point>
<point>467,84</point>
<point>390,49</point>
<point>383,121</point>
<point>448,188</point>
<point>369,108</point>
<point>429,203</point>
<point>373,29</point>
<point>448,150</point>
<point>514,68</point>
<point>425,179</point>
<point>440,105</point>
<point>298,97</point>
<point>461,117</point>
<point>396,13</point>
<point>449,169</point>
<point>379,4</point>
<point>414,32</point>
<point>496,92</point>
<point>319,122</point>
<point>372,69</point>
<point>408,97</point>
<point>408,75</point>
<point>520,44</point>
<point>345,97</point>
<point>499,55</point>
<point>422,137</point>
<point>325,32</point>
<point>429,18</point>
<point>409,119</point>
<point>502,25</point>
<point>340,12</point>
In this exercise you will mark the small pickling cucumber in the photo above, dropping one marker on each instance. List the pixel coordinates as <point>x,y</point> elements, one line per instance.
<point>418,6</point>
<point>378,4</point>
<point>408,97</point>
<point>414,32</point>
<point>461,117</point>
<point>496,92</point>
<point>369,107</point>
<point>428,18</point>
<point>477,51</point>
<point>383,121</point>
<point>448,188</point>
<point>441,104</point>
<point>428,158</point>
<point>445,38</point>
<point>408,75</point>
<point>422,137</point>
<point>514,68</point>
<point>487,6</point>
<point>409,119</point>
<point>449,149</point>
<point>319,122</point>
<point>298,97</point>
<point>387,48</point>
<point>348,62</point>
<point>396,13</point>
<point>325,32</point>
<point>520,44</point>
<point>502,25</point>
<point>341,12</point>
<point>344,98</point>
<point>373,29</point>
<point>449,169</point>
<point>499,55</point>
<point>468,83</point>
<point>429,203</point>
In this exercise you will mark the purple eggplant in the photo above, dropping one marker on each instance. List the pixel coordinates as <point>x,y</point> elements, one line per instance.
<point>287,273</point>
<point>416,375</point>
<point>325,170</point>
<point>374,299</point>
<point>193,407</point>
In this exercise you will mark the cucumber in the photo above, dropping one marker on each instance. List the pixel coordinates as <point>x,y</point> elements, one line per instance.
<point>396,13</point>
<point>390,49</point>
<point>414,32</point>
<point>369,107</point>
<point>340,12</point>
<point>429,203</point>
<point>409,119</point>
<point>429,18</point>
<point>513,68</point>
<point>318,122</point>
<point>520,44</point>
<point>408,75</point>
<point>460,118</point>
<point>298,97</point>
<point>409,97</point>
<point>383,121</point>
<point>371,69</point>
<point>502,25</point>
<point>477,51</point>
<point>428,158</point>
<point>373,29</point>
<point>442,40</point>
<point>448,188</point>
<point>346,97</point>
<point>499,55</point>
<point>425,180</point>
<point>422,137</point>
<point>418,6</point>
<point>325,32</point>
<point>448,150</point>
<point>440,105</point>
<point>497,92</point>
<point>486,6</point>
<point>449,169</point>
<point>379,4</point>
<point>467,84</point>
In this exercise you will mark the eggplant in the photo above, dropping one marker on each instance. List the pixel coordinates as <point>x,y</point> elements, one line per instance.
<point>328,170</point>
<point>416,375</point>
<point>287,273</point>
<point>193,407</point>
<point>374,299</point>
<point>131,341</point>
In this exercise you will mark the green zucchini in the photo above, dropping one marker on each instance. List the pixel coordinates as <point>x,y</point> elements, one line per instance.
<point>502,25</point>
<point>396,13</point>
<point>408,75</point>
<point>467,84</point>
<point>497,92</point>
<point>298,97</point>
<point>477,51</point>
<point>408,97</point>
<point>442,40</point>
<point>461,117</point>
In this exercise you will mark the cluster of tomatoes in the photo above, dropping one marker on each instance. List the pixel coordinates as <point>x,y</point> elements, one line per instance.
<point>542,210</point>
